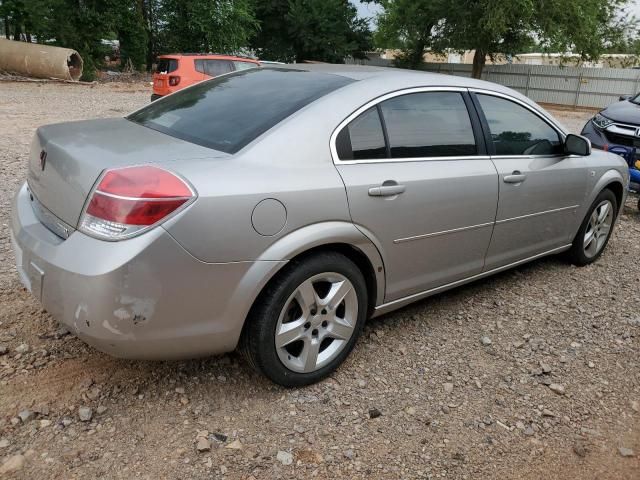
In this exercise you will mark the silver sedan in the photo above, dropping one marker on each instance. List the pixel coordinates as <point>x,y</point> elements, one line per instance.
<point>275,210</point>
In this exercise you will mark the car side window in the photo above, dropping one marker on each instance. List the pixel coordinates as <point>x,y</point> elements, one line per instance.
<point>214,68</point>
<point>516,130</point>
<point>363,138</point>
<point>428,124</point>
<point>244,65</point>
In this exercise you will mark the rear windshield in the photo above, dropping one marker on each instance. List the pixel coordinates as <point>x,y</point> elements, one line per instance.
<point>167,65</point>
<point>228,112</point>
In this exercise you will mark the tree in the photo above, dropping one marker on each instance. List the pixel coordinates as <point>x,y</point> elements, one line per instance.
<point>223,26</point>
<point>494,27</point>
<point>406,25</point>
<point>321,30</point>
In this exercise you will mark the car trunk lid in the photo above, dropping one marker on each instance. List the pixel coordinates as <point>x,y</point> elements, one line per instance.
<point>66,159</point>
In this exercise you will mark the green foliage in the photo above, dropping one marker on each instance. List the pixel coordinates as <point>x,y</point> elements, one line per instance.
<point>223,26</point>
<point>321,30</point>
<point>406,25</point>
<point>493,27</point>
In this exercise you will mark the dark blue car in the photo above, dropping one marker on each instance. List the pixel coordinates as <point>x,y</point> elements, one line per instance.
<point>617,126</point>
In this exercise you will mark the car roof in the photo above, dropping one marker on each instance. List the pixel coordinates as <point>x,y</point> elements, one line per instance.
<point>398,78</point>
<point>209,56</point>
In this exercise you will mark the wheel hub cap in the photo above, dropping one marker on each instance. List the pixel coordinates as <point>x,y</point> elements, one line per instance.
<point>598,229</point>
<point>317,322</point>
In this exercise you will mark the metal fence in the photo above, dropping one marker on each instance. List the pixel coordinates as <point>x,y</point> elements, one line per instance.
<point>574,86</point>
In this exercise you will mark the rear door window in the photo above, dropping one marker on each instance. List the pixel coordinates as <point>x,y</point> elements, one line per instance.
<point>428,124</point>
<point>363,138</point>
<point>213,68</point>
<point>515,130</point>
<point>167,65</point>
<point>228,112</point>
<point>243,65</point>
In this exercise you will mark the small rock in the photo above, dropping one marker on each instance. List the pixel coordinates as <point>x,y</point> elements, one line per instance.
<point>235,445</point>
<point>545,367</point>
<point>101,409</point>
<point>66,421</point>
<point>12,464</point>
<point>626,452</point>
<point>223,469</point>
<point>547,413</point>
<point>85,414</point>
<point>448,387</point>
<point>22,348</point>
<point>219,437</point>
<point>591,365</point>
<point>349,454</point>
<point>180,390</point>
<point>3,349</point>
<point>557,388</point>
<point>635,405</point>
<point>362,383</point>
<point>4,443</point>
<point>485,341</point>
<point>25,415</point>
<point>203,444</point>
<point>45,423</point>
<point>374,413</point>
<point>446,410</point>
<point>285,458</point>
<point>411,411</point>
<point>528,431</point>
<point>580,450</point>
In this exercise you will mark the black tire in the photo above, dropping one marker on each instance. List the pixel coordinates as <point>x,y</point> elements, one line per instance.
<point>258,340</point>
<point>576,254</point>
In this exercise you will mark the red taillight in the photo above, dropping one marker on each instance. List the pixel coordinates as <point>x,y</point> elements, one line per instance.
<point>174,81</point>
<point>128,200</point>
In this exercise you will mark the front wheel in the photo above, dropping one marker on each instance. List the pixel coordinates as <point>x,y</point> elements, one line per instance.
<point>596,229</point>
<point>307,320</point>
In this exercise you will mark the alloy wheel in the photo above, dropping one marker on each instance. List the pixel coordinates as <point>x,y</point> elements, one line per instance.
<point>598,229</point>
<point>316,323</point>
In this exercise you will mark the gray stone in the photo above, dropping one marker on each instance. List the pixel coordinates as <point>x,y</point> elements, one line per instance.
<point>626,452</point>
<point>285,458</point>
<point>557,388</point>
<point>25,415</point>
<point>448,387</point>
<point>85,414</point>
<point>485,341</point>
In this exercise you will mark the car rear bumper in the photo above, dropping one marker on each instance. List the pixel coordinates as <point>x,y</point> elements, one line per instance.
<point>144,298</point>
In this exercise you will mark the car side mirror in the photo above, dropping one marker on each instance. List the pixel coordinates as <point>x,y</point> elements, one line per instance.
<point>577,145</point>
<point>625,97</point>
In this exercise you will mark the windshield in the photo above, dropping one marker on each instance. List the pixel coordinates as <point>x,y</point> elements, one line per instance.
<point>228,112</point>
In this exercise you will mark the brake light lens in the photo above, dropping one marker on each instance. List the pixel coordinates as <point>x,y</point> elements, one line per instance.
<point>174,80</point>
<point>129,201</point>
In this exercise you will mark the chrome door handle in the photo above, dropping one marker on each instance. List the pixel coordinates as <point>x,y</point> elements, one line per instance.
<point>515,177</point>
<point>386,190</point>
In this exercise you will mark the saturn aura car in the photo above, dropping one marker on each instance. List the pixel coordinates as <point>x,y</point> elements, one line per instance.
<point>274,210</point>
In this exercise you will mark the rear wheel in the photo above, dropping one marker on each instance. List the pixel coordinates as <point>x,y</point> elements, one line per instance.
<point>595,231</point>
<point>308,319</point>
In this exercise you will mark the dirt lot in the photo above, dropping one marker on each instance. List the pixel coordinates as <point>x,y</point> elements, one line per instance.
<point>450,405</point>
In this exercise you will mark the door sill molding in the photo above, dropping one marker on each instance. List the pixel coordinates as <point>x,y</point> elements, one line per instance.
<point>401,302</point>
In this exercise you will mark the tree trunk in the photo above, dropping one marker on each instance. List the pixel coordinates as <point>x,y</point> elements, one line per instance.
<point>416,56</point>
<point>479,60</point>
<point>6,28</point>
<point>147,16</point>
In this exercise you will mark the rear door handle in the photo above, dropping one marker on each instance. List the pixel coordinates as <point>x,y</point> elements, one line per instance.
<point>386,190</point>
<point>515,177</point>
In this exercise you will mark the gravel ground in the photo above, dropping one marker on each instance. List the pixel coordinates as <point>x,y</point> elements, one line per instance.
<point>553,391</point>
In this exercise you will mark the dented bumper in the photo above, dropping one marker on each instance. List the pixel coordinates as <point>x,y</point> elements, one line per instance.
<point>144,298</point>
